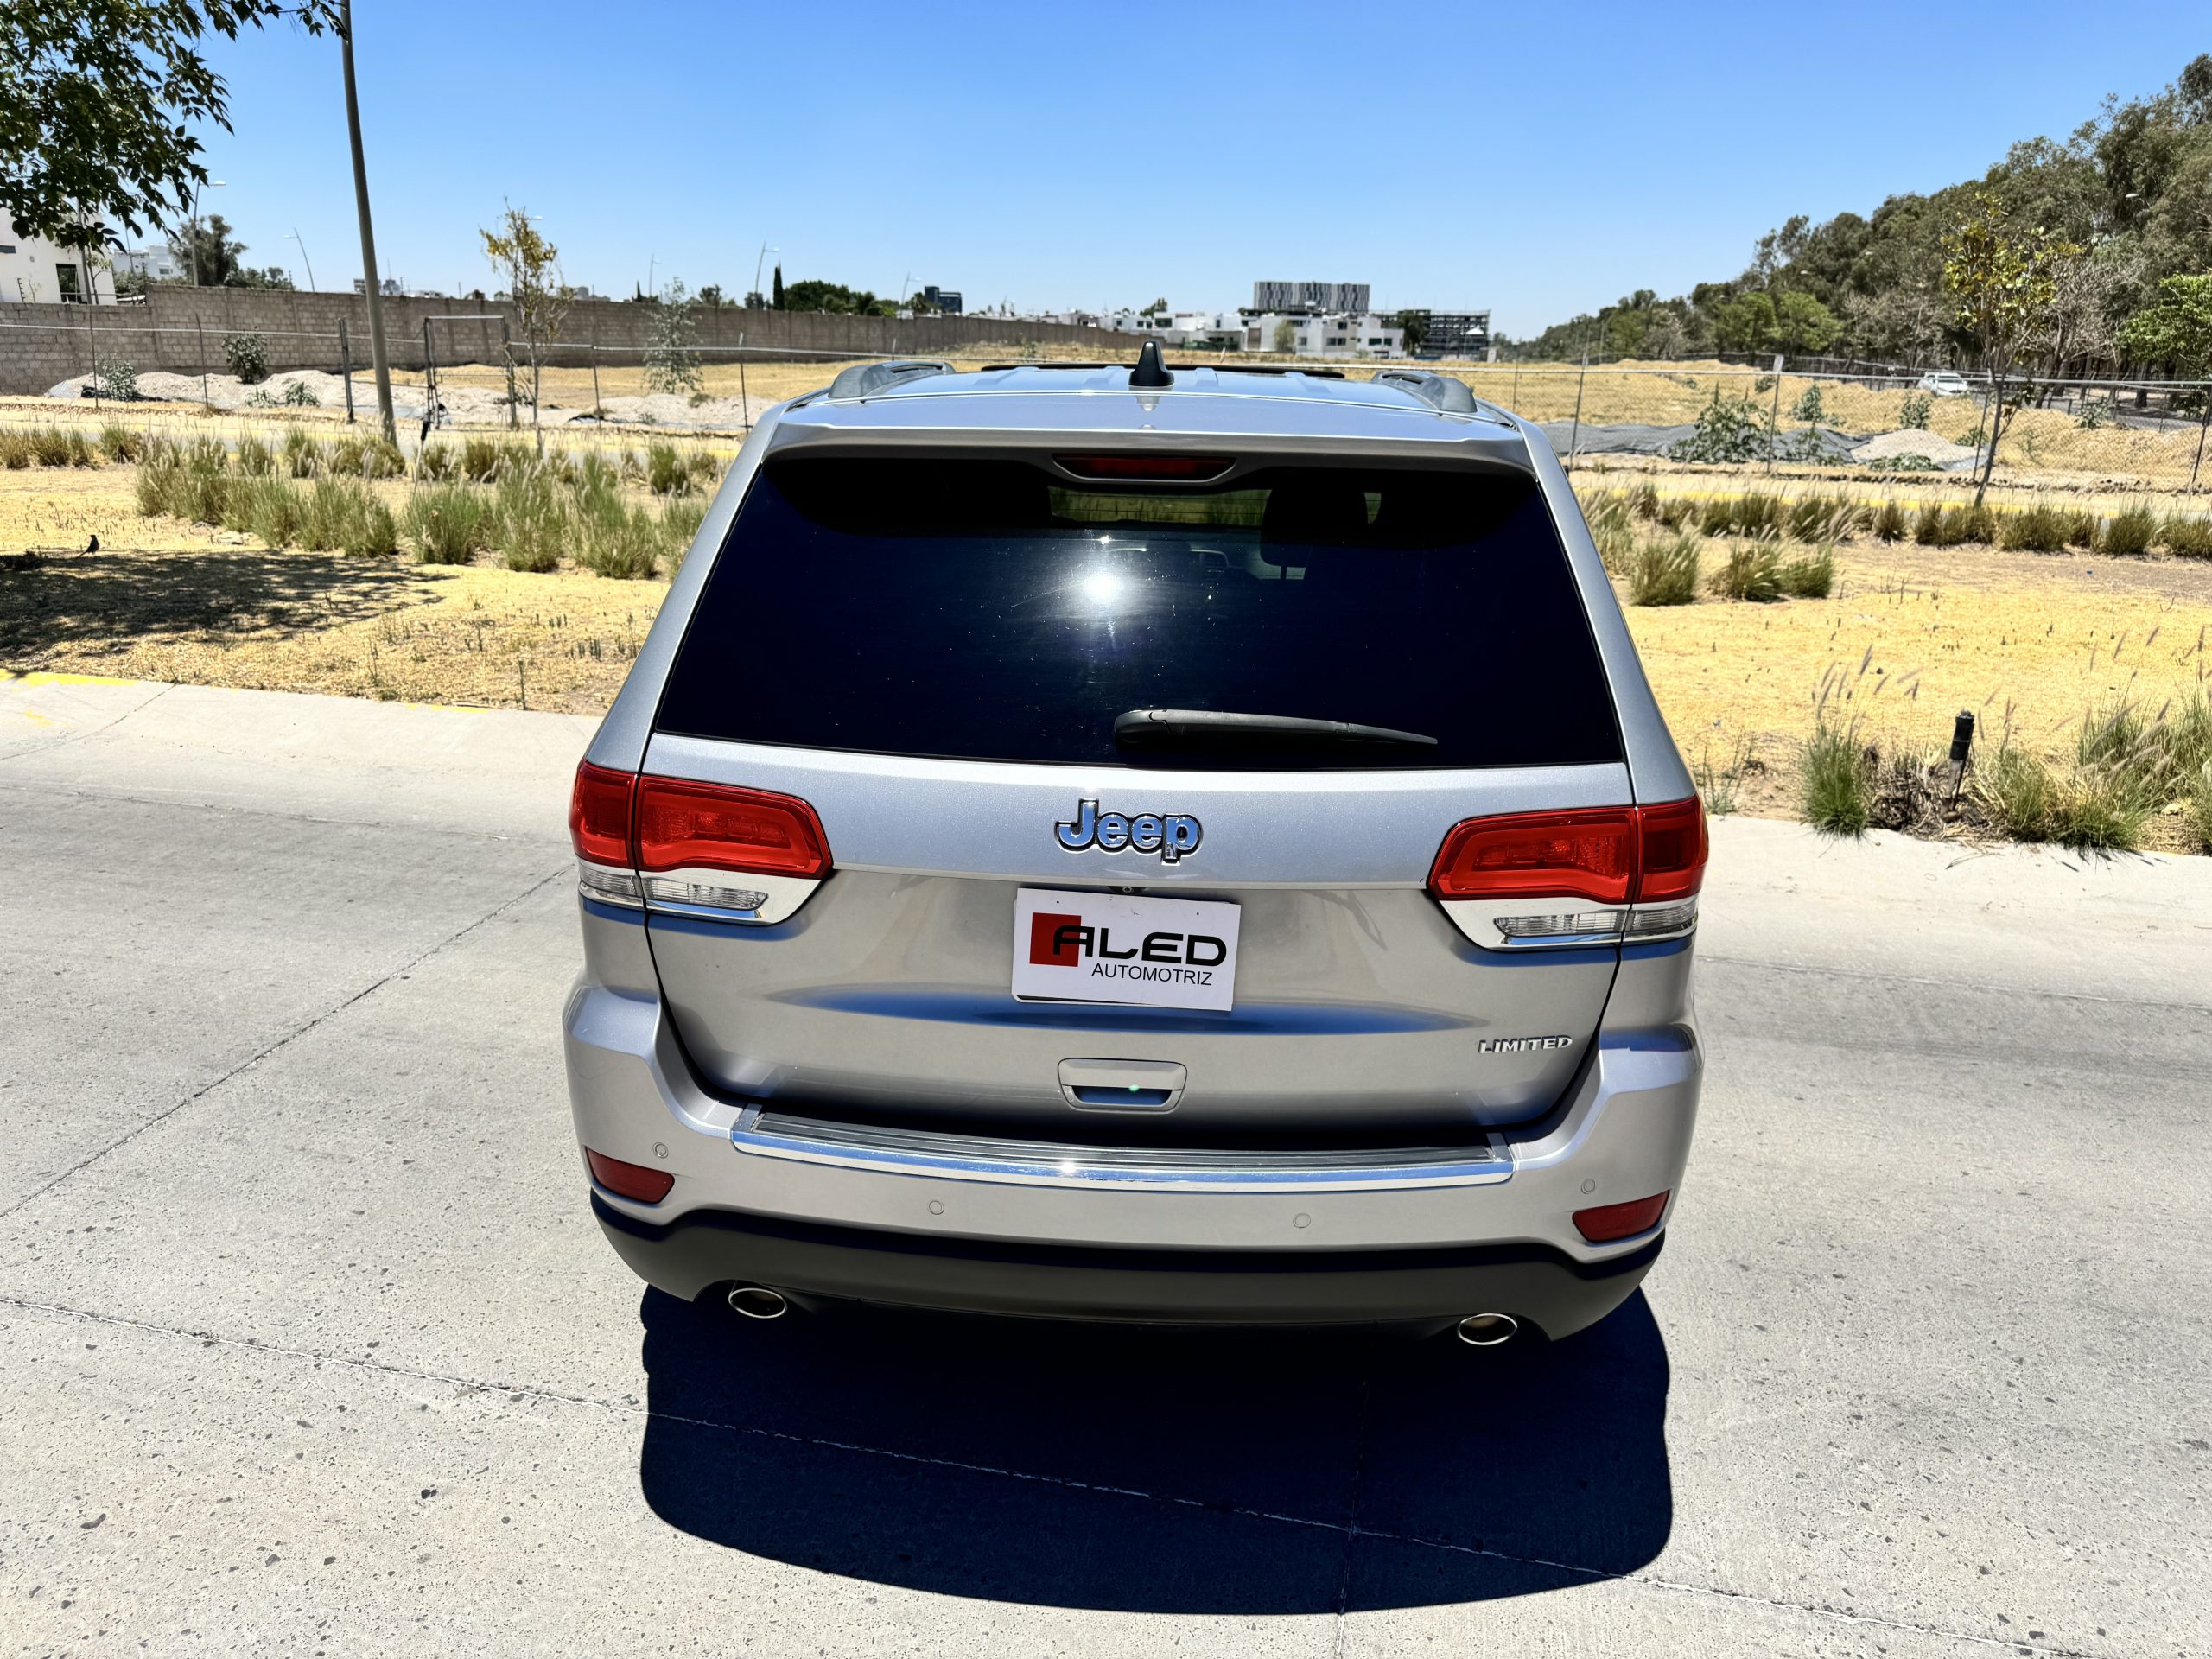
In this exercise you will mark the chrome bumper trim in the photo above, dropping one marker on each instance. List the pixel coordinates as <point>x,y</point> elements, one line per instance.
<point>978,1158</point>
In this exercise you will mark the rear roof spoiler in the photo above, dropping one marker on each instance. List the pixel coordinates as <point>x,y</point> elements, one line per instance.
<point>864,379</point>
<point>1442,392</point>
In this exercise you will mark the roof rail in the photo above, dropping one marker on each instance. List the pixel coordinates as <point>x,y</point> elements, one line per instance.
<point>1225,366</point>
<point>862,378</point>
<point>1445,395</point>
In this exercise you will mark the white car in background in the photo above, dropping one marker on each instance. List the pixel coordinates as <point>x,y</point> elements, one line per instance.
<point>1945,383</point>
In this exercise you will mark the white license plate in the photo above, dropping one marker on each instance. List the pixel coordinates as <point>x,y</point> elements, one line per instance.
<point>1096,947</point>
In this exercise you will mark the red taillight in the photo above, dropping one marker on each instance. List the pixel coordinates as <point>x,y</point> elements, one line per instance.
<point>681,825</point>
<point>1587,855</point>
<point>1162,468</point>
<point>599,814</point>
<point>1609,855</point>
<point>1673,864</point>
<point>629,1180</point>
<point>1611,1221</point>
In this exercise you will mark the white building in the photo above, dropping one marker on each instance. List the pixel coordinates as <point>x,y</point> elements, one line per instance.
<point>1312,334</point>
<point>155,264</point>
<point>36,272</point>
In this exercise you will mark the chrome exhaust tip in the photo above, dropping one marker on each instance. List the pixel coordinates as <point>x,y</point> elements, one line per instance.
<point>1487,1330</point>
<point>758,1302</point>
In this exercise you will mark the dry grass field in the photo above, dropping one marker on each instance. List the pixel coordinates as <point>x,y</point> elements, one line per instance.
<point>1916,633</point>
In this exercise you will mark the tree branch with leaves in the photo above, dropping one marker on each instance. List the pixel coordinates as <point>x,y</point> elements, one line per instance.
<point>536,297</point>
<point>2005,283</point>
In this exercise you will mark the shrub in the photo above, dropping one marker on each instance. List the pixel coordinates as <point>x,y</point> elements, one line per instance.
<point>1827,519</point>
<point>616,540</point>
<point>370,532</point>
<point>1811,576</point>
<point>2128,534</point>
<point>1727,431</point>
<point>1927,526</point>
<point>447,523</point>
<point>1889,523</point>
<point>1664,571</point>
<point>668,472</point>
<point>119,442</point>
<point>343,458</point>
<point>1807,406</point>
<point>2200,805</point>
<point>436,464</point>
<point>1903,464</point>
<point>248,357</point>
<point>2039,529</point>
<point>594,473</point>
<point>269,507</point>
<point>1674,510</point>
<point>15,451</point>
<point>1917,407</point>
<point>302,455</point>
<point>1644,499</point>
<point>1836,782</point>
<point>49,445</point>
<point>120,381</point>
<point>381,458</point>
<point>2094,417</point>
<point>679,523</point>
<point>2096,812</point>
<point>2187,539</point>
<point>1609,516</point>
<point>1751,573</point>
<point>330,506</point>
<point>2081,529</point>
<point>156,484</point>
<point>203,495</point>
<point>2016,792</point>
<point>254,459</point>
<point>300,394</point>
<point>480,459</point>
<point>533,520</point>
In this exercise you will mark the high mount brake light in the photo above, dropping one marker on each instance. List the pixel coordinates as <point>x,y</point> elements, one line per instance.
<point>672,843</point>
<point>1159,469</point>
<point>1636,870</point>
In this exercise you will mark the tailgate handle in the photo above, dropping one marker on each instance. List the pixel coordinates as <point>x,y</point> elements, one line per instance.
<point>1121,1086</point>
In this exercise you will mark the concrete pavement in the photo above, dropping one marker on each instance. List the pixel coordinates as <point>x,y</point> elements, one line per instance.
<point>310,1344</point>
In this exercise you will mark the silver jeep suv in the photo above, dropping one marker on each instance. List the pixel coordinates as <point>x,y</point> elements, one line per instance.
<point>1190,845</point>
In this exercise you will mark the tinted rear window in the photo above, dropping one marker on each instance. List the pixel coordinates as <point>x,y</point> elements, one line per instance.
<point>991,610</point>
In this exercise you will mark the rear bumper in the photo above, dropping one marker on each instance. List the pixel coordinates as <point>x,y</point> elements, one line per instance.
<point>1274,1288</point>
<point>904,1224</point>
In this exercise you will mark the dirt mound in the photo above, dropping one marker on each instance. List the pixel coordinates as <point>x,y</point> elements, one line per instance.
<point>1913,441</point>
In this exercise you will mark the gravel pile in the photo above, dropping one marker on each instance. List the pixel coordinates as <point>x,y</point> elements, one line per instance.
<point>1914,440</point>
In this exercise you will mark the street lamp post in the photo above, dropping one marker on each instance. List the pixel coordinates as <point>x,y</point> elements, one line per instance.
<point>211,184</point>
<point>295,237</point>
<point>369,289</point>
<point>764,251</point>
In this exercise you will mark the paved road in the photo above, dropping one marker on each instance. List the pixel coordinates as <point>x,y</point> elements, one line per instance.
<point>308,1343</point>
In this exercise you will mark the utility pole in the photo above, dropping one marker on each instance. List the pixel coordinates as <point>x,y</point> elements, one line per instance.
<point>377,360</point>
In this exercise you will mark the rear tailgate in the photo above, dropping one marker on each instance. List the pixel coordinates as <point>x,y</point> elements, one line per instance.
<point>933,654</point>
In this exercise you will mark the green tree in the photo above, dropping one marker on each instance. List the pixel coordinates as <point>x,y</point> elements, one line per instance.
<point>673,350</point>
<point>776,302</point>
<point>1801,324</point>
<point>1286,337</point>
<point>1414,326</point>
<point>1744,323</point>
<point>208,247</point>
<point>2178,332</point>
<point>97,99</point>
<point>536,297</point>
<point>1157,308</point>
<point>2004,282</point>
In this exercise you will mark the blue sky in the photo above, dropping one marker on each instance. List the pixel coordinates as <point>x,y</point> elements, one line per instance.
<point>1538,160</point>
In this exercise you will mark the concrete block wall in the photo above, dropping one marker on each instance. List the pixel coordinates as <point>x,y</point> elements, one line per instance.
<point>181,329</point>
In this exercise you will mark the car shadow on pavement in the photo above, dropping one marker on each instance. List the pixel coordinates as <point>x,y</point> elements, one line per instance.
<point>1159,1472</point>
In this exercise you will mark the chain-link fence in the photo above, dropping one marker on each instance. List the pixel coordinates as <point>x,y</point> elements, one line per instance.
<point>467,370</point>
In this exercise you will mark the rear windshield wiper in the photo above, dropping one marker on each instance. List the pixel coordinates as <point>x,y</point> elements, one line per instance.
<point>1210,729</point>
